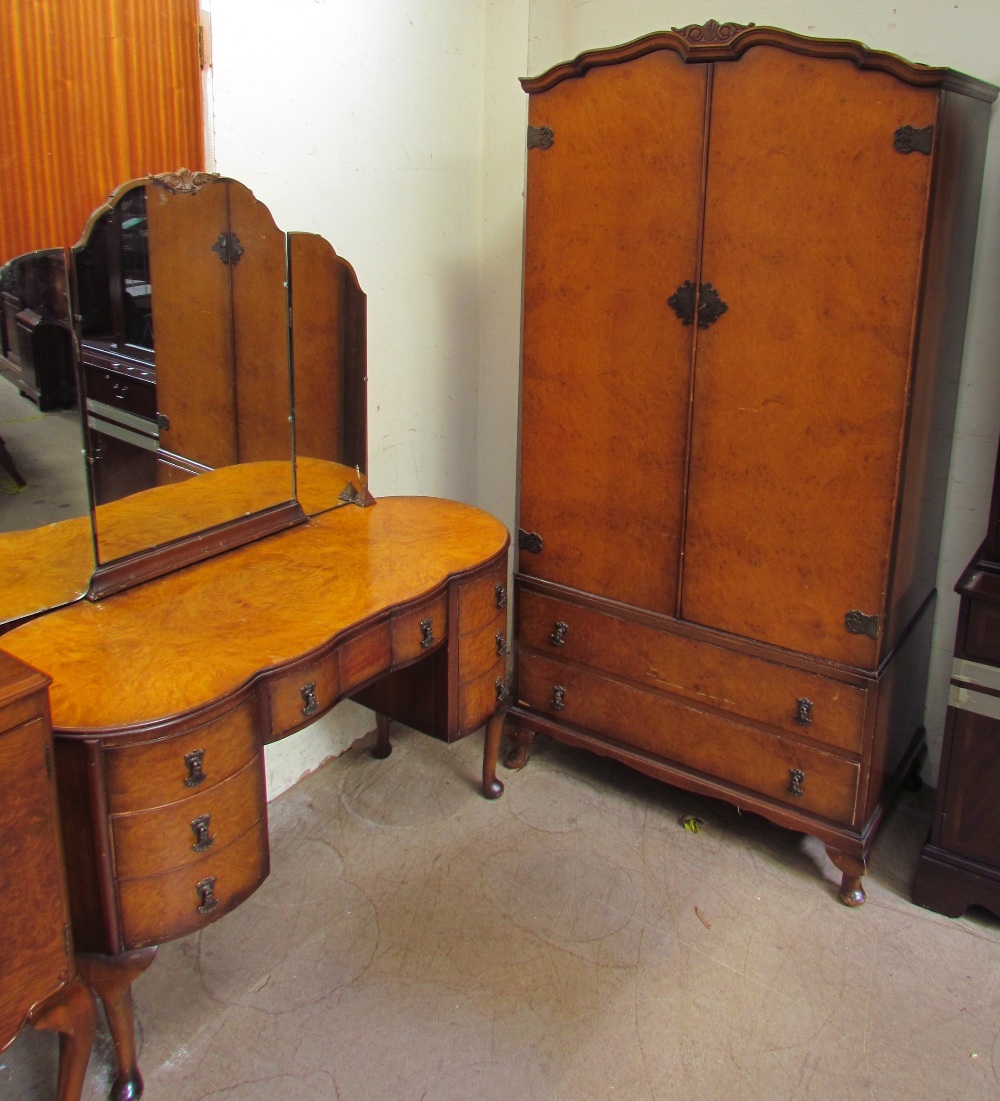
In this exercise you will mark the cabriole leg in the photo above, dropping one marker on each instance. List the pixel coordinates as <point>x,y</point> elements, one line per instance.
<point>517,755</point>
<point>112,977</point>
<point>492,787</point>
<point>73,1015</point>
<point>382,747</point>
<point>853,867</point>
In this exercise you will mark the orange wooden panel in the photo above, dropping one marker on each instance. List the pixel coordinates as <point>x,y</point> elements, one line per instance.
<point>92,94</point>
<point>814,226</point>
<point>194,363</point>
<point>260,331</point>
<point>612,232</point>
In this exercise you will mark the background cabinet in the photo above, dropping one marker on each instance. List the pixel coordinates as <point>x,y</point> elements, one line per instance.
<point>747,266</point>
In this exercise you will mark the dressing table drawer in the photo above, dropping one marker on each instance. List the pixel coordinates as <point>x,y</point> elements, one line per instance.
<point>479,699</point>
<point>362,658</point>
<point>152,774</point>
<point>418,632</point>
<point>158,908</point>
<point>155,841</point>
<point>483,601</point>
<point>483,651</point>
<point>296,697</point>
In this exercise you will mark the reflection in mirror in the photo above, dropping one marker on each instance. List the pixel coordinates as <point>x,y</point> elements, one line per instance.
<point>45,534</point>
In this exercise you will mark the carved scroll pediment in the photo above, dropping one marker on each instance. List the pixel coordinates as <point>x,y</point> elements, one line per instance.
<point>710,32</point>
<point>183,180</point>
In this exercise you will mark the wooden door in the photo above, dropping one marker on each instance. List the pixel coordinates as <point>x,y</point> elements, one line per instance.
<point>611,233</point>
<point>814,228</point>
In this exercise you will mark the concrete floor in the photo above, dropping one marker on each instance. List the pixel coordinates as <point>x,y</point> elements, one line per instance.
<point>569,942</point>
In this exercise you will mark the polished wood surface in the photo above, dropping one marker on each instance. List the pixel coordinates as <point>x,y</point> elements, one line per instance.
<point>251,610</point>
<point>39,984</point>
<point>731,502</point>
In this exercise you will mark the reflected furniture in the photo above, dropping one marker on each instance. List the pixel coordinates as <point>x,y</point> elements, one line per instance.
<point>239,594</point>
<point>959,866</point>
<point>747,269</point>
<point>40,985</point>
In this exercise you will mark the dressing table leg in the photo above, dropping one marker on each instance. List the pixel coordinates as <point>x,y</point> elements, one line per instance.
<point>492,787</point>
<point>852,893</point>
<point>382,747</point>
<point>112,977</point>
<point>73,1015</point>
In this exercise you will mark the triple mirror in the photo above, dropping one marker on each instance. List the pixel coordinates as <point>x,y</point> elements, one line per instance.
<point>167,384</point>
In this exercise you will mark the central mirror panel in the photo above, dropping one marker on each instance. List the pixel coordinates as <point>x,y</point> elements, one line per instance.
<point>181,292</point>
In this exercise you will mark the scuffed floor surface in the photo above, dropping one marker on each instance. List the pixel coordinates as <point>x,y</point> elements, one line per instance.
<point>569,942</point>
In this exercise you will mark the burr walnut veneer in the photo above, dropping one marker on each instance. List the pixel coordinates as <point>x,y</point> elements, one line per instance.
<point>163,697</point>
<point>38,981</point>
<point>747,265</point>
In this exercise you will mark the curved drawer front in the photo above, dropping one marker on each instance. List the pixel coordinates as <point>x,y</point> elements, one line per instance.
<point>420,630</point>
<point>158,908</point>
<point>156,841</point>
<point>804,777</point>
<point>483,651</point>
<point>805,704</point>
<point>365,656</point>
<point>155,773</point>
<point>483,601</point>
<point>304,692</point>
<point>479,699</point>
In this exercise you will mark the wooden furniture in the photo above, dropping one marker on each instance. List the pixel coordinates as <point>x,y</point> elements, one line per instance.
<point>747,265</point>
<point>36,335</point>
<point>39,982</point>
<point>959,866</point>
<point>163,697</point>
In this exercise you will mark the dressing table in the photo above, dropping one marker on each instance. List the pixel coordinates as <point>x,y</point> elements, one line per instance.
<point>239,593</point>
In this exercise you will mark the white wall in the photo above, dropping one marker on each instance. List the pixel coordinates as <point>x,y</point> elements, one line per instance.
<point>396,129</point>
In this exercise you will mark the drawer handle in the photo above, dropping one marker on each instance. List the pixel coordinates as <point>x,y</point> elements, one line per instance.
<point>206,892</point>
<point>195,761</point>
<point>501,594</point>
<point>558,636</point>
<point>426,633</point>
<point>558,697</point>
<point>120,390</point>
<point>203,840</point>
<point>796,778</point>
<point>501,644</point>
<point>502,690</point>
<point>309,703</point>
<point>803,711</point>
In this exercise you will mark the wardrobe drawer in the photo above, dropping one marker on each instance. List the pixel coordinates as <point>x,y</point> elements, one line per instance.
<point>301,693</point>
<point>158,908</point>
<point>804,777</point>
<point>155,841</point>
<point>419,631</point>
<point>483,601</point>
<point>153,774</point>
<point>805,704</point>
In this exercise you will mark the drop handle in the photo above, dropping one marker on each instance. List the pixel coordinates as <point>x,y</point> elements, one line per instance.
<point>203,840</point>
<point>310,705</point>
<point>501,641</point>
<point>426,634</point>
<point>500,592</point>
<point>558,701</point>
<point>803,711</point>
<point>195,764</point>
<point>796,778</point>
<point>558,636</point>
<point>206,895</point>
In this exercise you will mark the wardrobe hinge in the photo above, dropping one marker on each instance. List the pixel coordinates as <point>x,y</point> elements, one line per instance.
<point>908,139</point>
<point>860,624</point>
<point>529,541</point>
<point>540,137</point>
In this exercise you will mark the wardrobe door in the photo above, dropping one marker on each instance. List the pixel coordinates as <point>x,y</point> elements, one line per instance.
<point>611,233</point>
<point>814,227</point>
